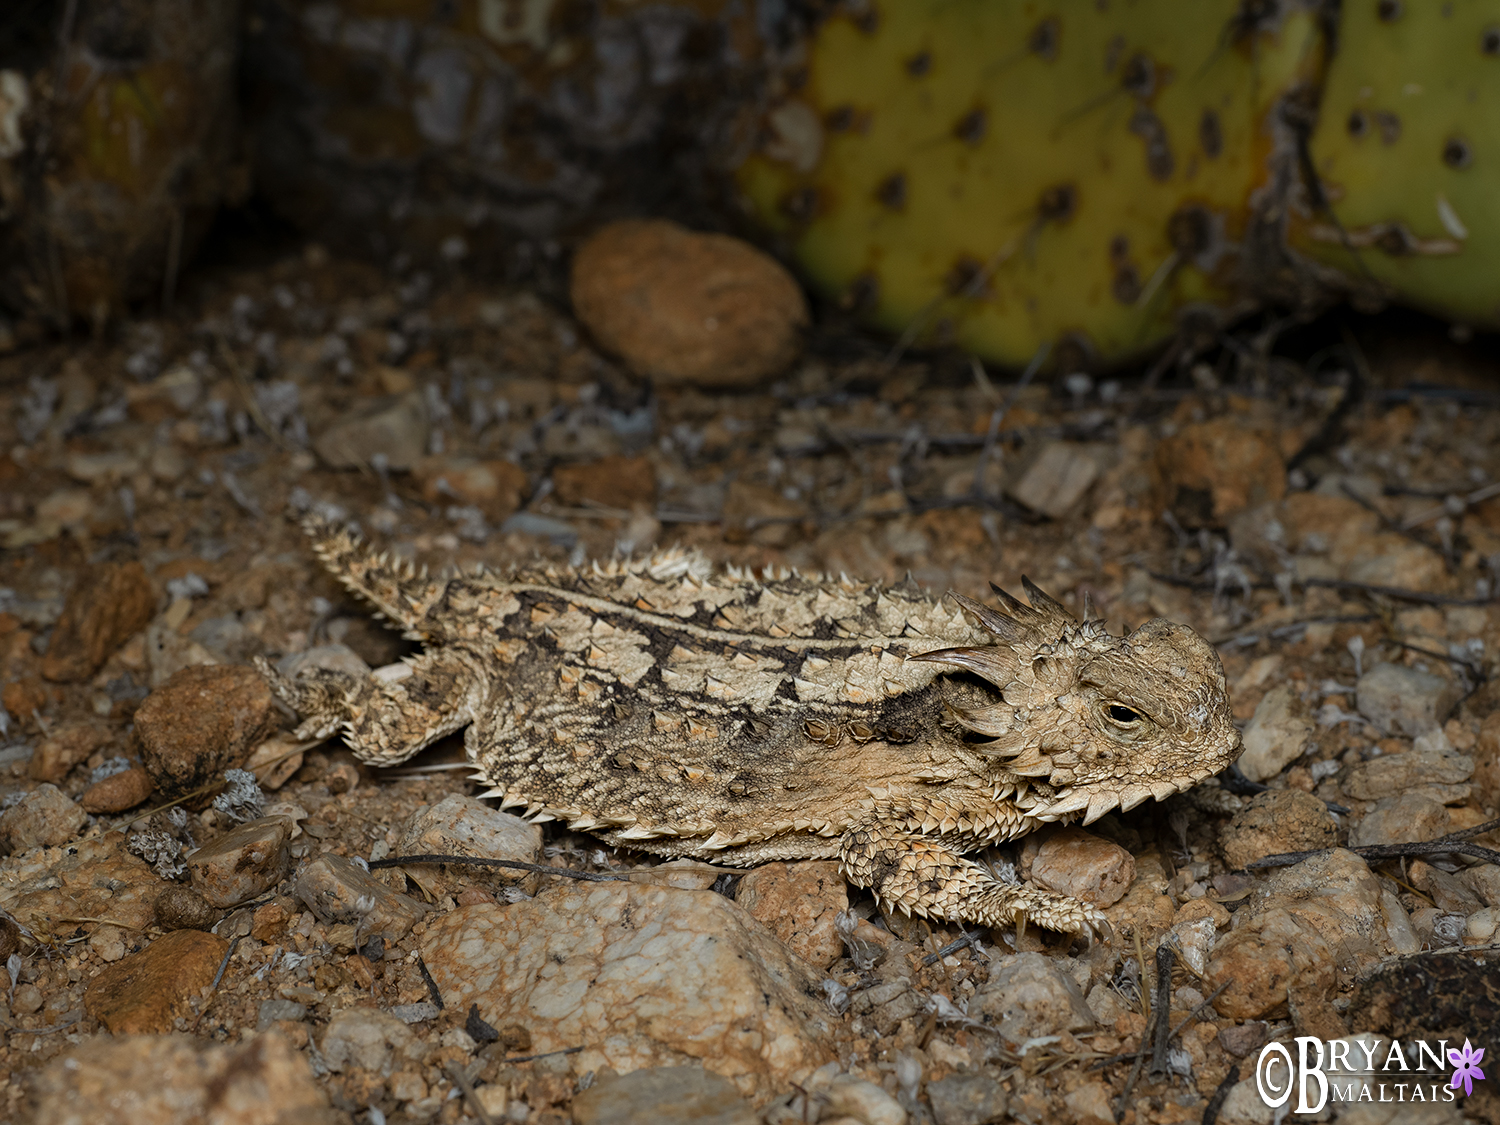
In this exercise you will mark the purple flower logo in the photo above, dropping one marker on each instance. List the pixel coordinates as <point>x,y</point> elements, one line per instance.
<point>1467,1061</point>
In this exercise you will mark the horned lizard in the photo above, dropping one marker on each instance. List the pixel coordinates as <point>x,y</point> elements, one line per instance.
<point>666,705</point>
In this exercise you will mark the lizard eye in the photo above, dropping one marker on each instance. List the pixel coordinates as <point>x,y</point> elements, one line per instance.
<point>1123,715</point>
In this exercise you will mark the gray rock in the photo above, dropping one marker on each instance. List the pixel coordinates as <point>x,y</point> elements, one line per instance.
<point>334,657</point>
<point>1029,996</point>
<point>1402,700</point>
<point>1392,775</point>
<point>1411,817</point>
<point>967,1099</point>
<point>1277,735</point>
<point>1484,881</point>
<point>887,1004</point>
<point>337,890</point>
<point>274,1011</point>
<point>845,1097</point>
<point>461,825</point>
<point>641,976</point>
<point>368,1038</point>
<point>395,427</point>
<point>45,817</point>
<point>242,864</point>
<point>668,1095</point>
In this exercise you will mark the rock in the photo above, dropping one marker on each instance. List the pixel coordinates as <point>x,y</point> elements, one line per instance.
<point>117,792</point>
<point>394,426</point>
<point>668,1095</point>
<point>845,1097</point>
<point>1301,926</point>
<point>1245,1106</point>
<point>370,1039</point>
<point>332,887</point>
<point>179,1080</point>
<point>1481,926</point>
<point>93,877</point>
<point>272,1012</point>
<point>1056,479</point>
<point>614,482</point>
<point>167,650</point>
<point>56,755</point>
<point>201,722</point>
<point>1484,881</point>
<point>1448,892</point>
<point>1090,1104</point>
<point>460,825</point>
<point>1245,1038</point>
<point>1073,862</point>
<point>1487,762</point>
<point>1029,996</point>
<point>683,307</point>
<point>242,864</point>
<point>1146,909</point>
<point>147,991</point>
<point>640,975</point>
<point>182,908</point>
<point>1392,775</point>
<point>1278,734</point>
<point>1274,822</point>
<point>798,902</point>
<point>43,818</point>
<point>1411,817</point>
<point>886,1005</point>
<point>494,487</point>
<point>111,603</point>
<point>334,658</point>
<point>1402,700</point>
<point>1208,471</point>
<point>275,761</point>
<point>967,1099</point>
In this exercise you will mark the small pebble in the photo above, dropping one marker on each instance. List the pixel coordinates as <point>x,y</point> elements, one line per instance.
<point>182,908</point>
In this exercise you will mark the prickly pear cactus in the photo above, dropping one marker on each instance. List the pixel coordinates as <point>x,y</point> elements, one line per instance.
<point>1407,154</point>
<point>1002,175</point>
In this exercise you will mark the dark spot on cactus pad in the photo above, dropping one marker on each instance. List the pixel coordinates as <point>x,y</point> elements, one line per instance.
<point>1457,153</point>
<point>839,119</point>
<point>1190,230</point>
<point>868,20</point>
<point>1388,11</point>
<point>1043,39</point>
<point>1147,126</point>
<point>863,293</point>
<point>892,191</point>
<point>1139,76</point>
<point>919,65</point>
<point>1396,240</point>
<point>971,126</point>
<point>1210,134</point>
<point>1358,124</point>
<point>1389,125</point>
<point>1126,285</point>
<point>1119,249</point>
<point>1489,41</point>
<point>1057,203</point>
<point>967,277</point>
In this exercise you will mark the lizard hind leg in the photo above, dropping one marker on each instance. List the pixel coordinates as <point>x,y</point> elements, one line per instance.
<point>399,591</point>
<point>921,875</point>
<point>385,719</point>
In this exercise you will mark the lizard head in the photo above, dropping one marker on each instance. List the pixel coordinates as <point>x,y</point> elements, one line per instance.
<point>1106,721</point>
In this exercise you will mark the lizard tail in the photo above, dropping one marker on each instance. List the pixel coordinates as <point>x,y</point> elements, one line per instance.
<point>400,593</point>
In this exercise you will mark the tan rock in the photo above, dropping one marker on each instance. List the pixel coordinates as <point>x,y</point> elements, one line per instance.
<point>149,990</point>
<point>1029,995</point>
<point>614,482</point>
<point>182,908</point>
<point>1146,908</point>
<point>462,825</point>
<point>94,877</point>
<point>668,1095</point>
<point>684,307</point>
<point>1073,862</point>
<point>1274,822</point>
<point>204,720</point>
<point>1487,762</point>
<point>179,1080</point>
<point>56,755</point>
<point>1303,926</point>
<point>641,976</point>
<point>1056,479</point>
<point>44,817</point>
<point>1392,775</point>
<point>1208,471</point>
<point>242,864</point>
<point>1410,818</point>
<point>337,890</point>
<point>109,605</point>
<point>117,792</point>
<point>798,902</point>
<point>495,487</point>
<point>1278,734</point>
<point>394,427</point>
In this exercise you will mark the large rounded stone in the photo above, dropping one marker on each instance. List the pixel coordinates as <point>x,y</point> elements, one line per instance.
<point>204,720</point>
<point>682,307</point>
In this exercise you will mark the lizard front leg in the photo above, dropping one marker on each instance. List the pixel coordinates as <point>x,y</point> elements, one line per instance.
<point>386,719</point>
<point>924,875</point>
